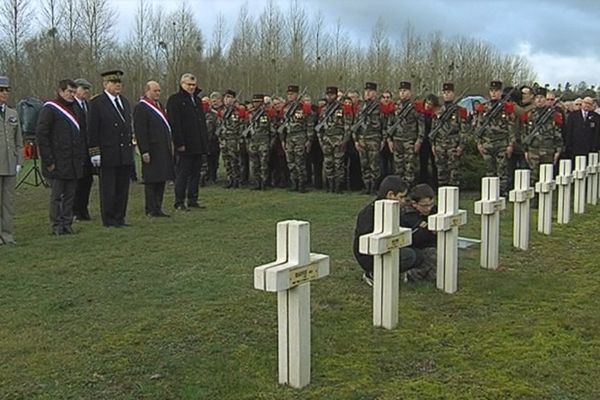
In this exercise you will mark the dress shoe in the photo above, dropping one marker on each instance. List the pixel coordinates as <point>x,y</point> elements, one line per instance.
<point>196,205</point>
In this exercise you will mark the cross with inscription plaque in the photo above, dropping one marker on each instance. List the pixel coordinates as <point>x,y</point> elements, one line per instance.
<point>489,208</point>
<point>290,275</point>
<point>579,176</point>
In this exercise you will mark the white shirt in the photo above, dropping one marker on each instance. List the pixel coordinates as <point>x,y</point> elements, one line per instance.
<point>112,100</point>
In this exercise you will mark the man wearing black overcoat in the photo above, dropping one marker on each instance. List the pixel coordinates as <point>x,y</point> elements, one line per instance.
<point>582,130</point>
<point>154,140</point>
<point>111,148</point>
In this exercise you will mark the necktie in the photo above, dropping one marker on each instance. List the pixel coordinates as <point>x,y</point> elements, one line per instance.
<point>120,108</point>
<point>84,106</point>
<point>193,100</point>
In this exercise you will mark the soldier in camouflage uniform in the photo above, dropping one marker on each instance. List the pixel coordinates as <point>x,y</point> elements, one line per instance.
<point>208,169</point>
<point>451,127</point>
<point>333,136</point>
<point>259,140</point>
<point>298,132</point>
<point>496,137</point>
<point>229,133</point>
<point>402,133</point>
<point>367,133</point>
<point>545,144</point>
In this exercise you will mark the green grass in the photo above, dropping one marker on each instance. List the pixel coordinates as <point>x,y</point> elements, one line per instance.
<point>166,309</point>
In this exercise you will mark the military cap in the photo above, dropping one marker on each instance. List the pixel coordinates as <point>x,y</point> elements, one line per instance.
<point>371,86</point>
<point>496,85</point>
<point>114,75</point>
<point>230,92</point>
<point>84,83</point>
<point>293,88</point>
<point>541,91</point>
<point>448,86</point>
<point>258,97</point>
<point>405,85</point>
<point>4,82</point>
<point>331,90</point>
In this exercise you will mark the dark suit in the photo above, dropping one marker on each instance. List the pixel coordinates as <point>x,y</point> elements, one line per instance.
<point>154,137</point>
<point>188,124</point>
<point>110,135</point>
<point>84,184</point>
<point>582,137</point>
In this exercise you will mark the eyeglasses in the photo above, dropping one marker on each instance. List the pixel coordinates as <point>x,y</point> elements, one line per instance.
<point>4,89</point>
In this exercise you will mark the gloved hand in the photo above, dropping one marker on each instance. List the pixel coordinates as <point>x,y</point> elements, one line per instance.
<point>18,169</point>
<point>95,160</point>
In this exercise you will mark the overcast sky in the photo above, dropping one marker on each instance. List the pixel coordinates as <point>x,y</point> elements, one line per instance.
<point>558,37</point>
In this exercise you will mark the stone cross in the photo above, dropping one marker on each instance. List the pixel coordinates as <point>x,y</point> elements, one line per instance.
<point>446,223</point>
<point>564,180</point>
<point>489,208</point>
<point>521,196</point>
<point>579,176</point>
<point>290,275</point>
<point>592,179</point>
<point>544,188</point>
<point>384,245</point>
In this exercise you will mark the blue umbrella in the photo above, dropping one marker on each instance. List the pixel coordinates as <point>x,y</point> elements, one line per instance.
<point>469,102</point>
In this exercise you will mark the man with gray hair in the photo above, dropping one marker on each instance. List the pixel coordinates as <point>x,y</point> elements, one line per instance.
<point>190,137</point>
<point>582,130</point>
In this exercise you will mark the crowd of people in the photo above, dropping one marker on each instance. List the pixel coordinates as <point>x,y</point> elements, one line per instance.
<point>344,141</point>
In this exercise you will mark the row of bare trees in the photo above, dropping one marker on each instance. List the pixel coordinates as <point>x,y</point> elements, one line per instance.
<point>45,40</point>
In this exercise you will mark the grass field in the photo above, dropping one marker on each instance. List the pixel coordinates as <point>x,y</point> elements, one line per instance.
<point>166,309</point>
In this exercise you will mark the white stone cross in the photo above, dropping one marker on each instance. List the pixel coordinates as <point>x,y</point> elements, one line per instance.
<point>592,179</point>
<point>489,208</point>
<point>446,223</point>
<point>580,175</point>
<point>544,188</point>
<point>290,275</point>
<point>521,196</point>
<point>564,179</point>
<point>384,245</point>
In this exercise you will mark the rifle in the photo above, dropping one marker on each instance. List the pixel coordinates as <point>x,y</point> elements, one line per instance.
<point>226,116</point>
<point>362,118</point>
<point>493,114</point>
<point>451,109</point>
<point>289,114</point>
<point>331,109</point>
<point>536,131</point>
<point>402,116</point>
<point>255,117</point>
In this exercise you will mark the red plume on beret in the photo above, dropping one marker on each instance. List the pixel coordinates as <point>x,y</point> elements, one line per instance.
<point>558,118</point>
<point>509,107</point>
<point>480,108</point>
<point>525,117</point>
<point>205,106</point>
<point>420,106</point>
<point>463,114</point>
<point>271,113</point>
<point>387,109</point>
<point>242,112</point>
<point>307,108</point>
<point>348,109</point>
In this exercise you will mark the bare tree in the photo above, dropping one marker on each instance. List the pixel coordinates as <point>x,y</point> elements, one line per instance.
<point>15,17</point>
<point>96,20</point>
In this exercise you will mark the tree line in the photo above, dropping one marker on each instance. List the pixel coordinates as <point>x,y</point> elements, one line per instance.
<point>42,41</point>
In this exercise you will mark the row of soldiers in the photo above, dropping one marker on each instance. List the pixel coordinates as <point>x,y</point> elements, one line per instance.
<point>342,126</point>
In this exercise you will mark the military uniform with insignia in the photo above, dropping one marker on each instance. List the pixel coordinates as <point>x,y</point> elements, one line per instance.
<point>230,133</point>
<point>262,132</point>
<point>333,136</point>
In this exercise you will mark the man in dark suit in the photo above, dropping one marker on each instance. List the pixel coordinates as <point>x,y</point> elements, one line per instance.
<point>153,134</point>
<point>190,137</point>
<point>111,147</point>
<point>583,130</point>
<point>84,184</point>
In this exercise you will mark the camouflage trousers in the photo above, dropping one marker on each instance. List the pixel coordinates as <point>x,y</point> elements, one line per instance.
<point>536,158</point>
<point>333,158</point>
<point>447,163</point>
<point>495,164</point>
<point>259,156</point>
<point>369,160</point>
<point>405,160</point>
<point>230,150</point>
<point>425,266</point>
<point>295,153</point>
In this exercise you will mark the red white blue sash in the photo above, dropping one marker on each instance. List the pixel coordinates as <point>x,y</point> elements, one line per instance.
<point>65,113</point>
<point>157,111</point>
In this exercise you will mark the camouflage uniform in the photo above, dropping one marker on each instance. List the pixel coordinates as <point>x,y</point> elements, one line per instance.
<point>259,146</point>
<point>495,138</point>
<point>212,120</point>
<point>403,133</point>
<point>296,135</point>
<point>369,137</point>
<point>333,137</point>
<point>451,136</point>
<point>231,127</point>
<point>547,141</point>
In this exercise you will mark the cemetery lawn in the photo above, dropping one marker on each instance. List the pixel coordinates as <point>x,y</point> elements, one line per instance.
<point>166,309</point>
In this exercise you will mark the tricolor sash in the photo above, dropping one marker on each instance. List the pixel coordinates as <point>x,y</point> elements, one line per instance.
<point>70,118</point>
<point>157,111</point>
